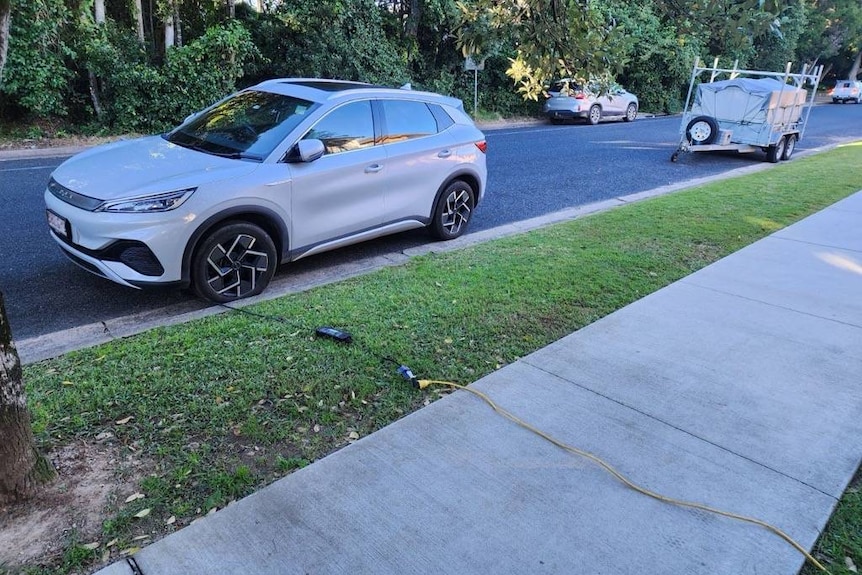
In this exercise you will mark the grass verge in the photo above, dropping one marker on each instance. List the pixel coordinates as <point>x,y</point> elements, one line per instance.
<point>224,405</point>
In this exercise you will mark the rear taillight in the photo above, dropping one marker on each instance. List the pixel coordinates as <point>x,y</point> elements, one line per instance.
<point>483,146</point>
<point>580,97</point>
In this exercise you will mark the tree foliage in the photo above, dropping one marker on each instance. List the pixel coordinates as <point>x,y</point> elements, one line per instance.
<point>61,63</point>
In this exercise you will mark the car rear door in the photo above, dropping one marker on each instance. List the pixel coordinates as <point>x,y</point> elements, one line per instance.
<point>340,193</point>
<point>420,156</point>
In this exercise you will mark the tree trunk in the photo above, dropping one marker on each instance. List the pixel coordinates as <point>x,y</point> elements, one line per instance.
<point>178,24</point>
<point>5,23</point>
<point>99,9</point>
<point>169,32</point>
<point>854,70</point>
<point>94,93</point>
<point>138,11</point>
<point>22,468</point>
<point>99,17</point>
<point>411,27</point>
<point>231,9</point>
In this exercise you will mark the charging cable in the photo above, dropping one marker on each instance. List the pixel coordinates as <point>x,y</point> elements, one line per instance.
<point>425,383</point>
<point>405,372</point>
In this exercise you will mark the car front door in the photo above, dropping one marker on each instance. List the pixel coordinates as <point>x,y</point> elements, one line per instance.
<point>341,193</point>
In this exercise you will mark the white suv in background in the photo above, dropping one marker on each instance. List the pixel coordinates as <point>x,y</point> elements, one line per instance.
<point>271,174</point>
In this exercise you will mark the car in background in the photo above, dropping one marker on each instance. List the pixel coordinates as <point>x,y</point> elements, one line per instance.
<point>569,100</point>
<point>846,91</point>
<point>274,173</point>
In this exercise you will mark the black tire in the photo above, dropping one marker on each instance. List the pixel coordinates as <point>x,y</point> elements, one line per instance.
<point>789,146</point>
<point>776,152</point>
<point>595,115</point>
<point>702,130</point>
<point>631,113</point>
<point>233,261</point>
<point>453,211</point>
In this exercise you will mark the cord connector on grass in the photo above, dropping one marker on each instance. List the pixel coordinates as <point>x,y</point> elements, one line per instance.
<point>407,374</point>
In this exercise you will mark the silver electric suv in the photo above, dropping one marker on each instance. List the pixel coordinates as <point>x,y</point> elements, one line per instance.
<point>279,171</point>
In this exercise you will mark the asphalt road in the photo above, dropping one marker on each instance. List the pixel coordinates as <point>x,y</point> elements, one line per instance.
<point>532,171</point>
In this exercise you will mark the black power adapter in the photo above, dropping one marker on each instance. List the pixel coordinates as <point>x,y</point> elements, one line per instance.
<point>334,333</point>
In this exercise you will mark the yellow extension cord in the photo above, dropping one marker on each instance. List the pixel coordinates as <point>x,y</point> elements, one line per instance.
<point>424,383</point>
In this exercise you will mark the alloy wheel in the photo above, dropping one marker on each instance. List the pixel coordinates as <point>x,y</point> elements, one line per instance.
<point>456,212</point>
<point>235,267</point>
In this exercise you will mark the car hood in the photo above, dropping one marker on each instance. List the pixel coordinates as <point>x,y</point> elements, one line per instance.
<point>144,166</point>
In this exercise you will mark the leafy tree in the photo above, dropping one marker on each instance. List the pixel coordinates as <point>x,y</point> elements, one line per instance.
<point>37,76</point>
<point>659,57</point>
<point>22,467</point>
<point>553,38</point>
<point>833,35</point>
<point>343,39</point>
<point>5,22</point>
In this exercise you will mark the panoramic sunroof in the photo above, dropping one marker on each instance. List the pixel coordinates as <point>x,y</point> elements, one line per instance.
<point>329,86</point>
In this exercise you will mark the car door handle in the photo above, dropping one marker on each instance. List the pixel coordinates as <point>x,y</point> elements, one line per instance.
<point>444,154</point>
<point>373,168</point>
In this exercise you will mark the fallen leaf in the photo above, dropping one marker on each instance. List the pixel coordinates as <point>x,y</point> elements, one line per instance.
<point>68,383</point>
<point>141,537</point>
<point>213,510</point>
<point>171,520</point>
<point>134,497</point>
<point>143,513</point>
<point>91,546</point>
<point>353,435</point>
<point>850,565</point>
<point>125,420</point>
<point>316,428</point>
<point>130,551</point>
<point>447,340</point>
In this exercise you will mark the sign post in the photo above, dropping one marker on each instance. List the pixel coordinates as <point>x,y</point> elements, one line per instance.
<point>470,64</point>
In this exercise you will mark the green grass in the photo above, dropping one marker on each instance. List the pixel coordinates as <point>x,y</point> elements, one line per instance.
<point>224,405</point>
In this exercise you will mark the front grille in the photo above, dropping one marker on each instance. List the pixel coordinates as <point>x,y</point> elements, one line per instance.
<point>72,197</point>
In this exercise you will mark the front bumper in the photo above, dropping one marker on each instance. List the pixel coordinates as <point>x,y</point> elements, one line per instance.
<point>133,250</point>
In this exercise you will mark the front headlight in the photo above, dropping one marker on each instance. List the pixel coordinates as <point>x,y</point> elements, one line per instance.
<point>146,204</point>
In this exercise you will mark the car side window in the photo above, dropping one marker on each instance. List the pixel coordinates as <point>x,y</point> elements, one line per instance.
<point>348,127</point>
<point>406,119</point>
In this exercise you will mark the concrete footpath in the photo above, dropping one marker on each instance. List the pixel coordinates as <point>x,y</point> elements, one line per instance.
<point>737,387</point>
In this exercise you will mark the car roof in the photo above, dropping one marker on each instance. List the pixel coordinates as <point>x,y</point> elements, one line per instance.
<point>323,90</point>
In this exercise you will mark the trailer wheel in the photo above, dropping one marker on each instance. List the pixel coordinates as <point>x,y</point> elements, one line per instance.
<point>789,146</point>
<point>702,130</point>
<point>776,152</point>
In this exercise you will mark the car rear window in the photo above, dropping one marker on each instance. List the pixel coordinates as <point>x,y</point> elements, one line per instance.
<point>406,120</point>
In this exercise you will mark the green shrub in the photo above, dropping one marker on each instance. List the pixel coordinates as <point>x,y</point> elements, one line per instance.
<point>36,78</point>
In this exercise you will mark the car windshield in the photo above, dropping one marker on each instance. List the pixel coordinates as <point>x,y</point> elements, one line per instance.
<point>248,125</point>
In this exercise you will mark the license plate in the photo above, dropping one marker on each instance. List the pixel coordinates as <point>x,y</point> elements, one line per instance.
<point>58,224</point>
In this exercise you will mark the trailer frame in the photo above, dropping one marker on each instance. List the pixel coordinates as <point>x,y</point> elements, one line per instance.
<point>778,140</point>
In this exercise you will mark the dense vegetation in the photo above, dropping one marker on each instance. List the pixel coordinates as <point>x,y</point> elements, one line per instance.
<point>114,66</point>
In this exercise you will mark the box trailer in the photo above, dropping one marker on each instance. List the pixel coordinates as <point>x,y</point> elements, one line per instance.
<point>748,111</point>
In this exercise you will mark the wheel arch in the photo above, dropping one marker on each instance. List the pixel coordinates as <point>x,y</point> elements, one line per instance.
<point>268,220</point>
<point>469,178</point>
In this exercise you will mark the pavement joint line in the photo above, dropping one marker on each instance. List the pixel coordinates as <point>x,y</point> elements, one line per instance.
<point>693,283</point>
<point>807,243</point>
<point>679,429</point>
<point>39,348</point>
